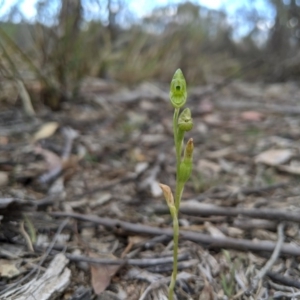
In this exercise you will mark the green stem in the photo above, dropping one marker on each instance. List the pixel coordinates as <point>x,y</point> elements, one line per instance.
<point>180,137</point>
<point>175,130</point>
<point>175,253</point>
<point>178,194</point>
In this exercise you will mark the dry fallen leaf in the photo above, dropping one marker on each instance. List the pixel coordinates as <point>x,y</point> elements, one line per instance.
<point>274,157</point>
<point>101,274</point>
<point>8,268</point>
<point>208,168</point>
<point>136,240</point>
<point>51,158</point>
<point>292,169</point>
<point>54,163</point>
<point>219,153</point>
<point>3,140</point>
<point>213,230</point>
<point>212,119</point>
<point>45,131</point>
<point>252,115</point>
<point>207,292</point>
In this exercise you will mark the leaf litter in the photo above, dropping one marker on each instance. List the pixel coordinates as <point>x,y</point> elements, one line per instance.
<point>95,165</point>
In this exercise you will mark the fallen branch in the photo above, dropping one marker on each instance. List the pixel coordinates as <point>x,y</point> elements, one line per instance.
<point>250,224</point>
<point>143,262</point>
<point>126,228</point>
<point>244,191</point>
<point>200,209</point>
<point>263,189</point>
<point>285,280</point>
<point>261,274</point>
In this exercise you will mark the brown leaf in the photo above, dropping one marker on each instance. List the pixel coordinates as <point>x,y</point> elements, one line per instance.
<point>53,160</point>
<point>252,115</point>
<point>3,140</point>
<point>207,292</point>
<point>292,169</point>
<point>45,131</point>
<point>132,241</point>
<point>167,193</point>
<point>208,168</point>
<point>219,153</point>
<point>274,157</point>
<point>212,119</point>
<point>101,274</point>
<point>9,268</point>
<point>214,231</point>
<point>54,163</point>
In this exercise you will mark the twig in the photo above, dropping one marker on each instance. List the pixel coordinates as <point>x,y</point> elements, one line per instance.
<point>250,224</point>
<point>147,262</point>
<point>199,209</point>
<point>167,268</point>
<point>283,295</point>
<point>155,285</point>
<point>244,191</point>
<point>70,135</point>
<point>44,257</point>
<point>270,262</point>
<point>288,281</point>
<point>144,262</point>
<point>279,287</point>
<point>26,101</point>
<point>125,228</point>
<point>154,241</point>
<point>262,189</point>
<point>26,237</point>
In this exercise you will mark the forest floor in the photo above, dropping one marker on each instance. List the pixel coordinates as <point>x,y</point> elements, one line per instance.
<point>83,217</point>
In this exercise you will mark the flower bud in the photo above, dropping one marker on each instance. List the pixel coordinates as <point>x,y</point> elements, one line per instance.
<point>178,92</point>
<point>185,121</point>
<point>186,166</point>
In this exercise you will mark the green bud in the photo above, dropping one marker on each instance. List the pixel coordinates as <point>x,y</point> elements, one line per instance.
<point>178,92</point>
<point>185,121</point>
<point>186,166</point>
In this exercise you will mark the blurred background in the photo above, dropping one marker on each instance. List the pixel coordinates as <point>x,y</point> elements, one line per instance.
<point>52,45</point>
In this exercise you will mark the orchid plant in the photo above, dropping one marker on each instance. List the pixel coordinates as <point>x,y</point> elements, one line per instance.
<point>182,122</point>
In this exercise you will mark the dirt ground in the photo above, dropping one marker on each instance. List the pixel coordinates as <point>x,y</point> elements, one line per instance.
<point>83,217</point>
